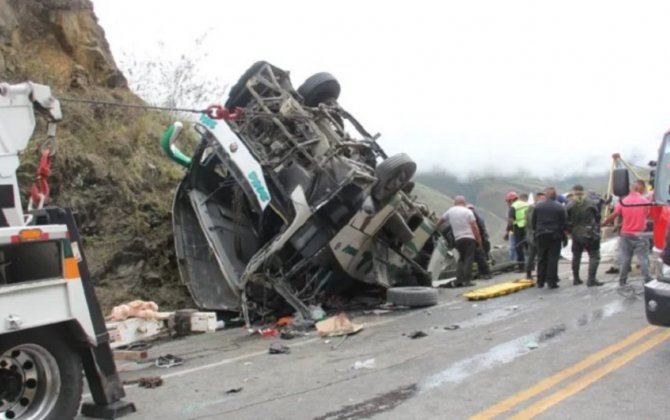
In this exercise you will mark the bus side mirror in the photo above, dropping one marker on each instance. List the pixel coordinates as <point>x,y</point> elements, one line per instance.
<point>620,182</point>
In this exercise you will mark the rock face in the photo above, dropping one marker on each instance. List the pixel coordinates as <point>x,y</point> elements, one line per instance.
<point>109,167</point>
<point>67,31</point>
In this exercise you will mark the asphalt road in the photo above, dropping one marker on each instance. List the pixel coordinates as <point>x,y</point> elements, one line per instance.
<point>574,352</point>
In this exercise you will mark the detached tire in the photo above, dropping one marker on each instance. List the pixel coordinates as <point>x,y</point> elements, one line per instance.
<point>41,375</point>
<point>393,174</point>
<point>319,88</point>
<point>412,296</point>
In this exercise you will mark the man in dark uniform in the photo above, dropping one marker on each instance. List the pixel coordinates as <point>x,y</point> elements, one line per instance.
<point>584,227</point>
<point>530,236</point>
<point>549,224</point>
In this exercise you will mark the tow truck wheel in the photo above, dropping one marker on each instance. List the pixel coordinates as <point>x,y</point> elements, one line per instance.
<point>40,377</point>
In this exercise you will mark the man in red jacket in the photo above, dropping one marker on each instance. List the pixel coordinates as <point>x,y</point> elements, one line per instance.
<point>634,213</point>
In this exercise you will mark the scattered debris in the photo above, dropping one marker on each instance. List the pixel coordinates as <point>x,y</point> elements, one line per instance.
<point>134,309</point>
<point>139,346</point>
<point>367,364</point>
<point>532,345</point>
<point>169,361</point>
<point>417,334</point>
<point>133,330</point>
<point>337,325</point>
<point>339,343</point>
<point>513,308</point>
<point>135,355</point>
<point>278,348</point>
<point>146,382</point>
<point>234,390</point>
<point>452,327</point>
<point>290,334</point>
<point>317,312</point>
<point>248,363</point>
<point>444,282</point>
<point>285,321</point>
<point>150,382</point>
<point>377,312</point>
<point>268,332</point>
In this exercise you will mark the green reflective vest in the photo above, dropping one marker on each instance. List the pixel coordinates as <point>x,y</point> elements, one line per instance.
<point>520,209</point>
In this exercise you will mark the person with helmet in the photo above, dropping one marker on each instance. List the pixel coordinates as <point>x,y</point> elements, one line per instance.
<point>516,223</point>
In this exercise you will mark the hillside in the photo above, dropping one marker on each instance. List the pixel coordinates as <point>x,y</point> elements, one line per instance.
<point>440,202</point>
<point>487,193</point>
<point>109,168</point>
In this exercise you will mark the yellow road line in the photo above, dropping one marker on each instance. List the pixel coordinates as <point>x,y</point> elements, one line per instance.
<point>590,378</point>
<point>553,380</point>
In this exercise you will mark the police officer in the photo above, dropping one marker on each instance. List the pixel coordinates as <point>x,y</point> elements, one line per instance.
<point>549,223</point>
<point>584,227</point>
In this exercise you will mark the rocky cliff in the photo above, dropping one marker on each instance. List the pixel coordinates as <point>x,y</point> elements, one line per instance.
<point>109,167</point>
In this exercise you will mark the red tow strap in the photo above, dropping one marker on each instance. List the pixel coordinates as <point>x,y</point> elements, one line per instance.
<point>218,112</point>
<point>39,191</point>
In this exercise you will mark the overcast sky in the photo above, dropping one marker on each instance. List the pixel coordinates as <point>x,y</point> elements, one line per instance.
<point>548,87</point>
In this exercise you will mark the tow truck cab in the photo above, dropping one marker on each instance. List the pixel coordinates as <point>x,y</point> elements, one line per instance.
<point>657,291</point>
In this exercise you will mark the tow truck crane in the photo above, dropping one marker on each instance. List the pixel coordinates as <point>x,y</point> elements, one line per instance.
<point>52,330</point>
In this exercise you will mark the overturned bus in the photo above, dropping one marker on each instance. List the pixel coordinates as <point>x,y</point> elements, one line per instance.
<point>287,199</point>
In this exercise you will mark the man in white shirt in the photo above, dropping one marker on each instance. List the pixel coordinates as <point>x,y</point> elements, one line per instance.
<point>468,238</point>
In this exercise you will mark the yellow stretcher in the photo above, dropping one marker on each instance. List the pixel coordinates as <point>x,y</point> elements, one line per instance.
<point>500,289</point>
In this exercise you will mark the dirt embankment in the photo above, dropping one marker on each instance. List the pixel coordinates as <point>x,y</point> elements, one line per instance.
<point>109,167</point>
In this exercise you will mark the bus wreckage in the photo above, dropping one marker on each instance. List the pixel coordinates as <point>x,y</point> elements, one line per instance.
<point>287,199</point>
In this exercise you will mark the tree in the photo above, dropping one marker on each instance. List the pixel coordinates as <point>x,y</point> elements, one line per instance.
<point>175,80</point>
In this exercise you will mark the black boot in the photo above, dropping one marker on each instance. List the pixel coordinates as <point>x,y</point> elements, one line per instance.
<point>594,282</point>
<point>576,281</point>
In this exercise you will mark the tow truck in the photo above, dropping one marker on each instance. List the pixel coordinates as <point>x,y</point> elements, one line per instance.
<point>52,330</point>
<point>657,291</point>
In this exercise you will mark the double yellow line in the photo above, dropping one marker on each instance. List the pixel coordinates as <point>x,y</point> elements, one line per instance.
<point>578,384</point>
